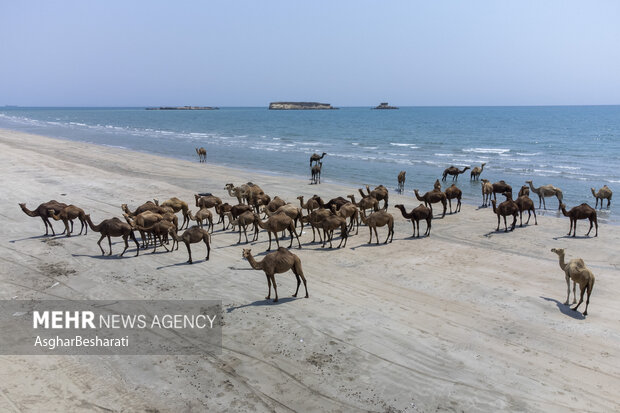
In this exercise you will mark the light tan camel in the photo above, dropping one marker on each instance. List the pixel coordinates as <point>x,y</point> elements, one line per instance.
<point>454,193</point>
<point>159,231</point>
<point>367,202</point>
<point>314,219</point>
<point>177,205</point>
<point>113,227</point>
<point>67,215</point>
<point>526,204</point>
<point>501,187</point>
<point>242,221</point>
<point>577,271</point>
<point>487,191</point>
<point>546,191</point>
<point>202,154</point>
<point>42,211</point>
<point>416,214</point>
<point>380,193</point>
<point>476,171</point>
<point>315,172</point>
<point>309,206</point>
<point>316,157</point>
<point>379,219</point>
<point>278,262</point>
<point>401,181</point>
<point>349,210</point>
<point>583,211</point>
<point>525,190</point>
<point>276,224</point>
<point>192,236</point>
<point>454,171</point>
<point>205,215</point>
<point>330,223</point>
<point>432,197</point>
<point>603,193</point>
<point>239,192</point>
<point>506,208</point>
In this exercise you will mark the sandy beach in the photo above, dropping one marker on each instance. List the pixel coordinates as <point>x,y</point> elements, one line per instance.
<point>467,319</point>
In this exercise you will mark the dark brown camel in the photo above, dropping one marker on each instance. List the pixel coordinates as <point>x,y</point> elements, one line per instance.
<point>202,154</point>
<point>432,197</point>
<point>67,215</point>
<point>316,157</point>
<point>42,211</point>
<point>506,208</point>
<point>525,203</point>
<point>380,193</point>
<point>416,214</point>
<point>583,211</point>
<point>454,171</point>
<point>114,227</point>
<point>453,192</point>
<point>402,175</point>
<point>192,236</point>
<point>501,187</point>
<point>316,173</point>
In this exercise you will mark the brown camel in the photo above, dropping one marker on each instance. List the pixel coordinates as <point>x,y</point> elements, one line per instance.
<point>144,219</point>
<point>487,191</point>
<point>367,202</point>
<point>583,211</point>
<point>349,210</point>
<point>67,215</point>
<point>603,193</point>
<point>275,203</point>
<point>276,224</point>
<point>337,202</point>
<point>207,201</point>
<point>177,205</point>
<point>416,214</point>
<point>330,223</point>
<point>113,227</point>
<point>278,262</point>
<point>432,197</point>
<point>202,215</point>
<point>309,206</point>
<point>577,271</point>
<point>454,171</point>
<point>379,193</point>
<point>222,210</point>
<point>525,203</point>
<point>314,219</point>
<point>316,157</point>
<point>454,193</point>
<point>379,219</point>
<point>202,154</point>
<point>192,236</point>
<point>242,221</point>
<point>148,206</point>
<point>239,192</point>
<point>476,171</point>
<point>525,190</point>
<point>288,209</point>
<point>159,231</point>
<point>401,181</point>
<point>42,211</point>
<point>506,208</point>
<point>315,172</point>
<point>437,185</point>
<point>501,187</point>
<point>546,191</point>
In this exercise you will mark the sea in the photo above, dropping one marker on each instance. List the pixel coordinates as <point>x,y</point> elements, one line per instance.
<point>572,147</point>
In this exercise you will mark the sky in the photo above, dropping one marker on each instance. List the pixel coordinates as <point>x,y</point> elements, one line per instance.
<point>347,53</point>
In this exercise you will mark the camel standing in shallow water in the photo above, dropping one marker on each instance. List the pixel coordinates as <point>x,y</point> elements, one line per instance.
<point>475,173</point>
<point>546,191</point>
<point>316,173</point>
<point>401,181</point>
<point>316,157</point>
<point>202,154</point>
<point>487,191</point>
<point>583,211</point>
<point>577,271</point>
<point>278,262</point>
<point>603,193</point>
<point>454,171</point>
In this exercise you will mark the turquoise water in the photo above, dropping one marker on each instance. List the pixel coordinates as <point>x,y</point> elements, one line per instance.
<point>573,147</point>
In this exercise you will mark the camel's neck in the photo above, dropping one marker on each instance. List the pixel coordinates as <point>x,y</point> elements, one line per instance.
<point>255,264</point>
<point>494,207</point>
<point>260,223</point>
<point>417,195</point>
<point>404,212</point>
<point>593,192</point>
<point>532,187</point>
<point>481,167</point>
<point>301,202</point>
<point>56,217</point>
<point>29,212</point>
<point>362,193</point>
<point>564,211</point>
<point>352,198</point>
<point>562,263</point>
<point>96,228</point>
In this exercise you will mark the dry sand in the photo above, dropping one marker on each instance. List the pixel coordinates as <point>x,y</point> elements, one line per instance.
<point>466,320</point>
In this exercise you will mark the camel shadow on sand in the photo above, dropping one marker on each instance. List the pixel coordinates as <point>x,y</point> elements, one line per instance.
<point>128,254</point>
<point>264,302</point>
<point>570,236</point>
<point>565,309</point>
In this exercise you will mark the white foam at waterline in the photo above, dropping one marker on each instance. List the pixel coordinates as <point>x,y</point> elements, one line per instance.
<point>410,145</point>
<point>529,154</point>
<point>486,150</point>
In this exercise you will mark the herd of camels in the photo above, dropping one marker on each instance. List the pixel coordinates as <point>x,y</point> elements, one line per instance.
<point>157,223</point>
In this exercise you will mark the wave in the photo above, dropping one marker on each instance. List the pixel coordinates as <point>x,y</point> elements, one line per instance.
<point>529,154</point>
<point>410,145</point>
<point>486,150</point>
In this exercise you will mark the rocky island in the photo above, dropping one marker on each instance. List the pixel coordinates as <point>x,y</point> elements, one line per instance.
<point>384,105</point>
<point>300,106</point>
<point>184,108</point>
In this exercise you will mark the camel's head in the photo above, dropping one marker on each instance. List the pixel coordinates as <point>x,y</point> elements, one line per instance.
<point>466,168</point>
<point>229,186</point>
<point>528,182</point>
<point>399,206</point>
<point>324,153</point>
<point>246,253</point>
<point>156,202</point>
<point>484,163</point>
<point>484,181</point>
<point>301,198</point>
<point>559,251</point>
<point>22,205</point>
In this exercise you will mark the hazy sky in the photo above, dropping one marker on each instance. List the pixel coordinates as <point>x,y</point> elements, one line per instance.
<point>348,53</point>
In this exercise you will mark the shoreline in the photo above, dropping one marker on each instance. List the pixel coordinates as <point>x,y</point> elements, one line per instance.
<point>466,319</point>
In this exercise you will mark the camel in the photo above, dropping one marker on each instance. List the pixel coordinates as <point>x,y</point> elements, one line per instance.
<point>290,210</point>
<point>437,185</point>
<point>222,210</point>
<point>432,197</point>
<point>349,210</point>
<point>243,220</point>
<point>275,203</point>
<point>202,215</point>
<point>546,191</point>
<point>337,202</point>
<point>238,192</point>
<point>278,262</point>
<point>277,223</point>
<point>67,215</point>
<point>577,271</point>
<point>401,181</point>
<point>367,202</point>
<point>501,187</point>
<point>113,227</point>
<point>487,191</point>
<point>316,158</point>
<point>144,219</point>
<point>192,236</point>
<point>506,208</point>
<point>42,211</point>
<point>379,219</point>
<point>314,219</point>
<point>475,172</point>
<point>416,214</point>
<point>583,211</point>
<point>177,205</point>
<point>454,193</point>
<point>525,190</point>
<point>603,193</point>
<point>309,206</point>
<point>202,154</point>
<point>159,231</point>
<point>328,224</point>
<point>207,200</point>
<point>454,171</point>
<point>380,193</point>
<point>525,203</point>
<point>148,206</point>
<point>316,173</point>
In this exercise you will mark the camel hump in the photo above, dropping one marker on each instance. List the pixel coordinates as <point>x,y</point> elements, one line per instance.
<point>205,194</point>
<point>580,263</point>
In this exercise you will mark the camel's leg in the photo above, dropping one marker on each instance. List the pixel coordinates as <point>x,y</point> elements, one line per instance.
<point>275,288</point>
<point>505,226</point>
<point>46,221</point>
<point>126,245</point>
<point>343,238</point>
<point>589,287</point>
<point>521,219</point>
<point>428,227</point>
<point>568,290</point>
<point>246,236</point>
<point>189,252</point>
<point>298,282</point>
<point>110,243</point>
<point>514,222</point>
<point>608,202</point>
<point>458,205</point>
<point>370,240</point>
<point>596,226</point>
<point>300,272</point>
<point>324,236</point>
<point>294,231</point>
<point>268,285</point>
<point>71,221</point>
<point>67,231</point>
<point>583,290</point>
<point>450,202</point>
<point>99,243</point>
<point>268,248</point>
<point>208,244</point>
<point>574,228</point>
<point>133,237</point>
<point>544,203</point>
<point>497,229</point>
<point>376,235</point>
<point>255,238</point>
